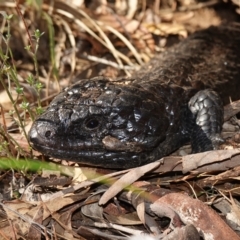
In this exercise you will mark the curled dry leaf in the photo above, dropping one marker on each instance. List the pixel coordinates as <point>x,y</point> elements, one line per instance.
<point>146,202</point>
<point>192,211</point>
<point>165,210</point>
<point>145,218</point>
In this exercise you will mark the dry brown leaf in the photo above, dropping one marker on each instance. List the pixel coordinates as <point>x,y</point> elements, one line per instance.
<point>127,180</point>
<point>193,161</point>
<point>34,230</point>
<point>62,224</point>
<point>165,210</point>
<point>152,225</point>
<point>212,180</point>
<point>18,206</point>
<point>193,211</point>
<point>17,212</point>
<point>126,219</point>
<point>140,208</point>
<point>53,206</point>
<point>93,210</point>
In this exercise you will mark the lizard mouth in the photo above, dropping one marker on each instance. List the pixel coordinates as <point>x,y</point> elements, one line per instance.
<point>96,158</point>
<point>102,153</point>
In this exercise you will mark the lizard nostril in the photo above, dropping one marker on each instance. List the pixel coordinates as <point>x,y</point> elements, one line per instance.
<point>48,134</point>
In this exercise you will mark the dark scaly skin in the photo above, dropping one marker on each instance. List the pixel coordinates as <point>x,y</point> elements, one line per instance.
<point>133,121</point>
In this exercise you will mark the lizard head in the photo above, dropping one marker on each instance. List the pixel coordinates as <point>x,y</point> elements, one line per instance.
<point>101,123</point>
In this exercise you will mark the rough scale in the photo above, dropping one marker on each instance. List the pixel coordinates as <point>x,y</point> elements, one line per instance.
<point>175,98</point>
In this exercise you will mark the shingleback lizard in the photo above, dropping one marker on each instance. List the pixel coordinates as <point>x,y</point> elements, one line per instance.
<point>127,122</point>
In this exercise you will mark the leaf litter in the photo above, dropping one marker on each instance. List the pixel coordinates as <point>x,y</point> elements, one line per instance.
<point>173,198</point>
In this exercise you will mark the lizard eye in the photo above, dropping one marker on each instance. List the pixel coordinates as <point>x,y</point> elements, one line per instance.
<point>92,123</point>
